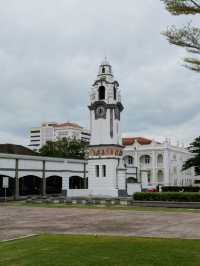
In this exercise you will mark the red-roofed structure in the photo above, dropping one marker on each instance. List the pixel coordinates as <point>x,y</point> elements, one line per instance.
<point>140,140</point>
<point>68,124</point>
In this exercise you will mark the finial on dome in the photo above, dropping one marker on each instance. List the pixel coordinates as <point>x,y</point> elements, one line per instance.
<point>105,61</point>
<point>105,70</point>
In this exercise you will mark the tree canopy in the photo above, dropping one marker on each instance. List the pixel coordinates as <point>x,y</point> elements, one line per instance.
<point>188,36</point>
<point>194,148</point>
<point>65,148</point>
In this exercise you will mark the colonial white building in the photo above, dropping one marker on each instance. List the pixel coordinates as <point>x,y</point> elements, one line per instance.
<point>53,131</point>
<point>156,163</point>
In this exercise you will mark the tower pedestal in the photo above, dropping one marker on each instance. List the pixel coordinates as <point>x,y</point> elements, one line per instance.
<point>102,170</point>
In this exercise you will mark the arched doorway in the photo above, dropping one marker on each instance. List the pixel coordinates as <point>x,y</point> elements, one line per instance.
<point>54,185</point>
<point>132,180</point>
<point>160,176</point>
<point>30,185</point>
<point>77,182</point>
<point>11,188</point>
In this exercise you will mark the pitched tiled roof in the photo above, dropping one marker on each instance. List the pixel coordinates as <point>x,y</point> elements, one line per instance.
<point>140,140</point>
<point>16,149</point>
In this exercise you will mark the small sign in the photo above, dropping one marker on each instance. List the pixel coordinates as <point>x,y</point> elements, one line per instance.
<point>5,182</point>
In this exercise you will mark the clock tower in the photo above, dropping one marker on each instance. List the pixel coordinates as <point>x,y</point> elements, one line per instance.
<point>105,150</point>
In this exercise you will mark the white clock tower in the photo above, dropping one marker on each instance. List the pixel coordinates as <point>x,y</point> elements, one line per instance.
<point>105,176</point>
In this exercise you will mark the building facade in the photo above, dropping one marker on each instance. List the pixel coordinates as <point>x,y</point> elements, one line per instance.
<point>156,163</point>
<point>36,175</point>
<point>53,131</point>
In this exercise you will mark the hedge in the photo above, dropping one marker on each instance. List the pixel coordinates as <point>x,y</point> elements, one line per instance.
<point>180,189</point>
<point>167,196</point>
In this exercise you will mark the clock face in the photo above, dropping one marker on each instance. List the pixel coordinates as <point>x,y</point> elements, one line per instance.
<point>100,112</point>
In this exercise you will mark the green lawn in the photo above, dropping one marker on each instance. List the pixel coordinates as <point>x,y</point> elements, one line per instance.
<point>54,250</point>
<point>109,207</point>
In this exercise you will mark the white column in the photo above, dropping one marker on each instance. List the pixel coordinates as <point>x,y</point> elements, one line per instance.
<point>166,167</point>
<point>154,181</point>
<point>137,164</point>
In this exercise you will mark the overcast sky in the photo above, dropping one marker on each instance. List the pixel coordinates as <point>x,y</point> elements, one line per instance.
<point>49,56</point>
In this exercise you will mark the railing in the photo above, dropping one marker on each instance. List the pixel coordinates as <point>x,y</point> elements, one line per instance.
<point>145,166</point>
<point>160,165</point>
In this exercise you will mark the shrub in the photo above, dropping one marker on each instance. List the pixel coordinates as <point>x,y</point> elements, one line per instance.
<point>178,189</point>
<point>168,196</point>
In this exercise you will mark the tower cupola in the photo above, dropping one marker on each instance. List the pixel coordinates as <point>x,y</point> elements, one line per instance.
<point>105,70</point>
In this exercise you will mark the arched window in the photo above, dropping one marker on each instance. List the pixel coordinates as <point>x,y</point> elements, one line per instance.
<point>160,158</point>
<point>128,160</point>
<point>145,159</point>
<point>103,70</point>
<point>115,93</point>
<point>101,93</point>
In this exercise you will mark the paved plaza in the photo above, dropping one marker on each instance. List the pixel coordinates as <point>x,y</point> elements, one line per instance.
<point>21,221</point>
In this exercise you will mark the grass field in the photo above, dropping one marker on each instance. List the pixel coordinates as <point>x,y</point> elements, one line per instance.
<point>54,250</point>
<point>110,207</point>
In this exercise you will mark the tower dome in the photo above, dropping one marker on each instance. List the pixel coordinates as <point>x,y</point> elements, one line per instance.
<point>105,69</point>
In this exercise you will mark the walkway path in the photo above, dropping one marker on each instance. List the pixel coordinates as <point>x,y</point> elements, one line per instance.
<point>20,221</point>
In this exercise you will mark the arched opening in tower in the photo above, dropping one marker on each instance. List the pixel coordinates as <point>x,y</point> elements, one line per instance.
<point>101,93</point>
<point>115,93</point>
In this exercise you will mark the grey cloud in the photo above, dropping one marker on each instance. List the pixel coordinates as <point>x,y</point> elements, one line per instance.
<point>49,56</point>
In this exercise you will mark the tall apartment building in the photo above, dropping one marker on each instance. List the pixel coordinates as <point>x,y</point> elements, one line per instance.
<point>53,131</point>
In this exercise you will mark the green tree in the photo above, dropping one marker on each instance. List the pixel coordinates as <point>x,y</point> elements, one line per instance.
<point>188,36</point>
<point>65,148</point>
<point>194,148</point>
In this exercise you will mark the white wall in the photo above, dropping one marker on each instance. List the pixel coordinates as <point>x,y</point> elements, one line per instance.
<point>7,163</point>
<point>133,188</point>
<point>103,186</point>
<point>30,164</point>
<point>78,193</point>
<point>100,131</point>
